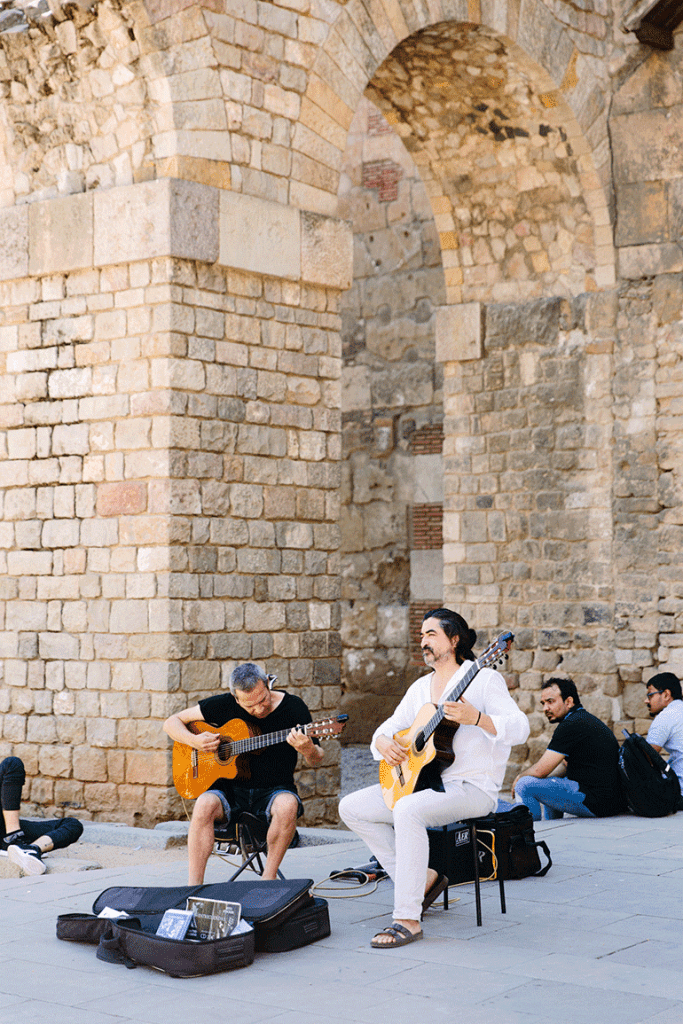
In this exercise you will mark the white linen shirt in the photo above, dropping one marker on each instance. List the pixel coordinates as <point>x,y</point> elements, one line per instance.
<point>480,758</point>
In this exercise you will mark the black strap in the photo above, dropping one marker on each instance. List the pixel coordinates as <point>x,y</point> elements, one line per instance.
<point>544,871</point>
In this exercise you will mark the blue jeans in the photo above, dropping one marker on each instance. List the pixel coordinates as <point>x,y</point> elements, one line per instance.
<point>551,798</point>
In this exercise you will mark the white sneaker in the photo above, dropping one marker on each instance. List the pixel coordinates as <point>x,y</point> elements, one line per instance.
<point>27,858</point>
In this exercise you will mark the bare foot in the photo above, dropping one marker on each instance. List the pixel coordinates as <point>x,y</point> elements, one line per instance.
<point>432,876</point>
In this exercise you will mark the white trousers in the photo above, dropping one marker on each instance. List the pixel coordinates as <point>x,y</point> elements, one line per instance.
<point>399,838</point>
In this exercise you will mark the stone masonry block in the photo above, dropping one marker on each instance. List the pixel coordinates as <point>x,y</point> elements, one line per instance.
<point>14,248</point>
<point>58,646</point>
<point>636,261</point>
<point>122,499</point>
<point>647,145</point>
<point>426,575</point>
<point>642,213</point>
<point>55,761</point>
<point>128,616</point>
<point>540,34</point>
<point>60,533</point>
<point>61,234</point>
<point>459,332</point>
<point>326,251</point>
<point>259,236</point>
<point>156,218</point>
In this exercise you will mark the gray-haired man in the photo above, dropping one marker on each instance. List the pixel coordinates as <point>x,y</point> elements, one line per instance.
<point>267,785</point>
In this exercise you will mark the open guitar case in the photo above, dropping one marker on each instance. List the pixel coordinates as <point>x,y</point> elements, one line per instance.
<point>283,915</point>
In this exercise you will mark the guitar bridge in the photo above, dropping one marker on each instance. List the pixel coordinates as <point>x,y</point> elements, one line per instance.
<point>194,758</point>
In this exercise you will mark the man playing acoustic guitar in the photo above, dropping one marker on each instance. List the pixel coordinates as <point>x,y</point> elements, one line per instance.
<point>488,723</point>
<point>265,783</point>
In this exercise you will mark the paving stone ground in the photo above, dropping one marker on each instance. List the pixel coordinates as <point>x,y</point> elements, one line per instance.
<point>599,939</point>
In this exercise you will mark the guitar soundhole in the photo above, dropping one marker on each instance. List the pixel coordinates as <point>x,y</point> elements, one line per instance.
<point>223,753</point>
<point>420,742</point>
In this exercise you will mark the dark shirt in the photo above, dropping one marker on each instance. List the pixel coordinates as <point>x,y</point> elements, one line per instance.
<point>591,750</point>
<point>270,767</point>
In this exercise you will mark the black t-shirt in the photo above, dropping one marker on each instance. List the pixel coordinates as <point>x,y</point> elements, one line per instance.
<point>269,767</point>
<point>591,750</point>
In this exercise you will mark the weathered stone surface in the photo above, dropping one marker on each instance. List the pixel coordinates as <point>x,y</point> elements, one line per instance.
<point>638,261</point>
<point>170,370</point>
<point>259,236</point>
<point>459,332</point>
<point>61,234</point>
<point>15,248</point>
<point>150,219</point>
<point>326,251</point>
<point>643,213</point>
<point>646,143</point>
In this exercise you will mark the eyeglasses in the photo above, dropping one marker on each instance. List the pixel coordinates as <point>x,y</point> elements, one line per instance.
<point>649,696</point>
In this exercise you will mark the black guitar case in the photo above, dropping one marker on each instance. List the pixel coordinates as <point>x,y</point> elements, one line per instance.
<point>283,913</point>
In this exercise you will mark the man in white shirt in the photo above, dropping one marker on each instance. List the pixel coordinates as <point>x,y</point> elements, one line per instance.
<point>489,724</point>
<point>665,704</point>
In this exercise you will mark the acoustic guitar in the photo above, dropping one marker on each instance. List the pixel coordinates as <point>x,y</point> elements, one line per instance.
<point>195,771</point>
<point>429,740</point>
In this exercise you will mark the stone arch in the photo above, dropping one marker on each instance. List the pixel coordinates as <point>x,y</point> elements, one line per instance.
<point>508,171</point>
<point>364,35</point>
<point>541,269</point>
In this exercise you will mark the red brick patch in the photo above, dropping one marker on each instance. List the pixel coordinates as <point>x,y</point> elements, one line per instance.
<point>427,440</point>
<point>377,124</point>
<point>426,527</point>
<point>121,499</point>
<point>384,175</point>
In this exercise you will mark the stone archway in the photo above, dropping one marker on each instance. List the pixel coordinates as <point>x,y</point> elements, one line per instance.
<point>523,230</point>
<point>171,364</point>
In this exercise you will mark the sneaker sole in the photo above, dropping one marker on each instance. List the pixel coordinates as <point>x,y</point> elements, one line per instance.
<point>29,864</point>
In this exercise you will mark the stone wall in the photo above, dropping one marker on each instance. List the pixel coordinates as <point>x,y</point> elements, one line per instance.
<point>391,395</point>
<point>175,181</point>
<point>171,445</point>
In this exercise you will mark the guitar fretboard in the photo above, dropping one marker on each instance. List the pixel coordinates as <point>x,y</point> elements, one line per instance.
<point>232,748</point>
<point>455,693</point>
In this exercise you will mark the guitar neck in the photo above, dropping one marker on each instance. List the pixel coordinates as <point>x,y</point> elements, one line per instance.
<point>266,740</point>
<point>454,694</point>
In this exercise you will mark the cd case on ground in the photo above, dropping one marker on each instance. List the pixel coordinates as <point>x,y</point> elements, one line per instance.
<point>213,919</point>
<point>175,924</point>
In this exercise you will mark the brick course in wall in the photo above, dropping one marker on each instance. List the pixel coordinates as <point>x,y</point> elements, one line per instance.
<point>426,526</point>
<point>427,439</point>
<point>384,176</point>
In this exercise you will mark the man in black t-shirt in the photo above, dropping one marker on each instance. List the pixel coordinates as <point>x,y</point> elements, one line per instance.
<point>590,787</point>
<point>265,783</point>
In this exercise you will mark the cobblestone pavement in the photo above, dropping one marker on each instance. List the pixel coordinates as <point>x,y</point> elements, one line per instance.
<point>599,936</point>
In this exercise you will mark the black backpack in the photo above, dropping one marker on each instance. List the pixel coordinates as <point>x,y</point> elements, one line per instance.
<point>650,785</point>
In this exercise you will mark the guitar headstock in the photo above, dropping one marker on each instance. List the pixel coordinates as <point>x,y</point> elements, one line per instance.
<point>497,651</point>
<point>327,727</point>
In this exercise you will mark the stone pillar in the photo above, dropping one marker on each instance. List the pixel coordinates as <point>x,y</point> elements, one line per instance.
<point>170,463</point>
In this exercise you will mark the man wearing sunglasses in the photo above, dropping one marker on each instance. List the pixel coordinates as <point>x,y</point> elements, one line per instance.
<point>665,704</point>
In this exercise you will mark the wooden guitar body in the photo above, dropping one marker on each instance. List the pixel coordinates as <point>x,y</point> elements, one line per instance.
<point>195,772</point>
<point>404,779</point>
<point>429,740</point>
